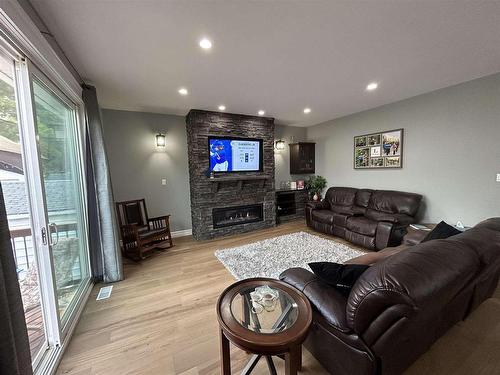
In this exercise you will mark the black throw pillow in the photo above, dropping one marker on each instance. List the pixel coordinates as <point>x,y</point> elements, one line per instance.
<point>341,276</point>
<point>441,231</point>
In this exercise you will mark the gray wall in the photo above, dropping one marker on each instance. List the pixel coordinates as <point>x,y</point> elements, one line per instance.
<point>282,158</point>
<point>451,150</point>
<point>137,166</point>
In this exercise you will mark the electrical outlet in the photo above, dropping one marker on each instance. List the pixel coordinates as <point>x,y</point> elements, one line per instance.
<point>164,181</point>
<point>498,177</point>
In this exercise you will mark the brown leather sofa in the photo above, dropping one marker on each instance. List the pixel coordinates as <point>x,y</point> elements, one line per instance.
<point>402,304</point>
<point>374,219</point>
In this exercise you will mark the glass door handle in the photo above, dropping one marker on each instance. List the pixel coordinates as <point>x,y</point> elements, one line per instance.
<point>56,231</point>
<point>44,235</point>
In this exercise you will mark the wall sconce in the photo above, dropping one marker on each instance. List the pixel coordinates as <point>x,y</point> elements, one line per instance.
<point>279,145</point>
<point>160,140</point>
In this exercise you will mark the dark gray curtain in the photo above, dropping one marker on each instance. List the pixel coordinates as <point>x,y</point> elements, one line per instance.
<point>104,240</point>
<point>15,358</point>
<point>93,224</point>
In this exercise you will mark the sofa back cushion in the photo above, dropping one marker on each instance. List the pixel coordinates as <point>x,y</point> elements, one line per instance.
<point>363,197</point>
<point>341,199</point>
<point>394,202</point>
<point>361,201</point>
<point>492,223</point>
<point>484,239</point>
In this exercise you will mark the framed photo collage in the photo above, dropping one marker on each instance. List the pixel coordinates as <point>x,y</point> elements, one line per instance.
<point>379,150</point>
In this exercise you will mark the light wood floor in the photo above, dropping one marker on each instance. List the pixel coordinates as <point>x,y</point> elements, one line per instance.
<point>161,320</point>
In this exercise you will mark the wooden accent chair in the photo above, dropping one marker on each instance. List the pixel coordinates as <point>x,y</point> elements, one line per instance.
<point>141,234</point>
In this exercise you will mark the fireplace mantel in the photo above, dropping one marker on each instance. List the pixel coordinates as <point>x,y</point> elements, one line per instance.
<point>218,181</point>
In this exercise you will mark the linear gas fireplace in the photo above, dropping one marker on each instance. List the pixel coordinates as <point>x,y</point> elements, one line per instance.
<point>228,216</point>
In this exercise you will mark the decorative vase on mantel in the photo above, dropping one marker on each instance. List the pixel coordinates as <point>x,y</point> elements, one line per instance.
<point>316,197</point>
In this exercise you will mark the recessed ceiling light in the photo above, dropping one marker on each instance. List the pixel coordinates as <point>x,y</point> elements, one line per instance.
<point>307,110</point>
<point>205,43</point>
<point>183,91</point>
<point>372,86</point>
<point>222,108</point>
<point>261,113</point>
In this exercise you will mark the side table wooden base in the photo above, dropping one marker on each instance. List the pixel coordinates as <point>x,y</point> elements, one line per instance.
<point>293,359</point>
<point>225,355</point>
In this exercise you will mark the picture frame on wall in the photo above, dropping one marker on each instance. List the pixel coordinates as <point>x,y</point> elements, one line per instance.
<point>392,162</point>
<point>375,151</point>
<point>377,162</point>
<point>362,157</point>
<point>379,150</point>
<point>360,141</point>
<point>374,139</point>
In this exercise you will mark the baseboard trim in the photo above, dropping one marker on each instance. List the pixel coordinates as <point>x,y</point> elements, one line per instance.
<point>182,233</point>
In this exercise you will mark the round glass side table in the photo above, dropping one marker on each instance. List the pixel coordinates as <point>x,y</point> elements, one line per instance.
<point>266,317</point>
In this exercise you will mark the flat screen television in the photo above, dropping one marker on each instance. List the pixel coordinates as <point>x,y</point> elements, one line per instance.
<point>229,154</point>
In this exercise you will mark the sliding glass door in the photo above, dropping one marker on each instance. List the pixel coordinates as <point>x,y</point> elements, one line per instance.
<point>59,155</point>
<point>15,191</point>
<point>41,171</point>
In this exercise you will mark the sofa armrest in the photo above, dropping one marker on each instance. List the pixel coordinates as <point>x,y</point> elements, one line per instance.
<point>326,299</point>
<point>318,205</point>
<point>399,219</point>
<point>384,234</point>
<point>403,220</point>
<point>297,277</point>
<point>378,313</point>
<point>311,206</point>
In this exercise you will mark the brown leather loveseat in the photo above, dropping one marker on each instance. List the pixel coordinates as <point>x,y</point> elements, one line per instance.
<point>374,219</point>
<point>402,304</point>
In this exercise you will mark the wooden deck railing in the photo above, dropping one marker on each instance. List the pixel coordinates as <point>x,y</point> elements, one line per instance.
<point>22,244</point>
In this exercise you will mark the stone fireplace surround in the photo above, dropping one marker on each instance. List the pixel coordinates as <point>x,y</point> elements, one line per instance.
<point>228,190</point>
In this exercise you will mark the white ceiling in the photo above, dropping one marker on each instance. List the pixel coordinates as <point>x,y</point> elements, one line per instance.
<point>280,56</point>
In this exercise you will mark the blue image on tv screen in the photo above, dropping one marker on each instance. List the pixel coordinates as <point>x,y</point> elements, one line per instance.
<point>221,155</point>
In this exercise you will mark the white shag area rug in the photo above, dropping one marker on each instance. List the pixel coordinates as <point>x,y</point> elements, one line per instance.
<point>269,258</point>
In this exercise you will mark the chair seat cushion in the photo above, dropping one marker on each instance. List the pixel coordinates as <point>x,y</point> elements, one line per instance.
<point>144,234</point>
<point>323,216</point>
<point>362,225</point>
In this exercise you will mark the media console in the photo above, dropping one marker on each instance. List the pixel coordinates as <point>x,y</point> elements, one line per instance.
<point>290,205</point>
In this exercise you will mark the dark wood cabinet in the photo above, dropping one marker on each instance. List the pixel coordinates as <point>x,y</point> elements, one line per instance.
<point>302,158</point>
<point>290,205</point>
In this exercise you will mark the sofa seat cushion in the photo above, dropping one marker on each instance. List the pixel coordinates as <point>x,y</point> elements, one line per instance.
<point>362,225</point>
<point>347,210</point>
<point>341,219</point>
<point>374,257</point>
<point>323,216</point>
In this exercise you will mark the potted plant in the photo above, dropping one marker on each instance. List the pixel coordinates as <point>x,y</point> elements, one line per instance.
<point>315,185</point>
